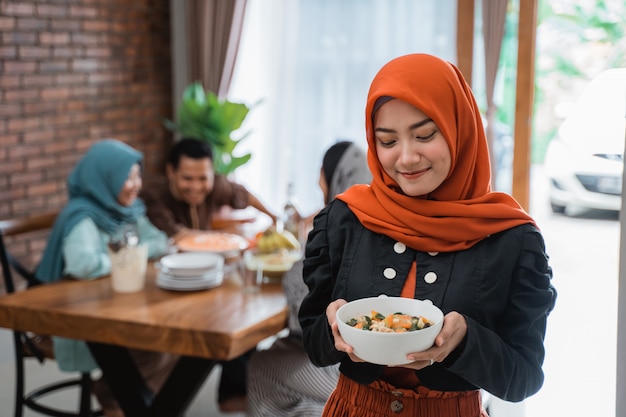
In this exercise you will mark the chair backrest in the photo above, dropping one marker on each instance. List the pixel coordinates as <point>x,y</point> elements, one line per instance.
<point>37,346</point>
<point>15,227</point>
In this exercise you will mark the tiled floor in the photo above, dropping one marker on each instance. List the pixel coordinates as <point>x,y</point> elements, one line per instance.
<point>579,370</point>
<point>204,405</point>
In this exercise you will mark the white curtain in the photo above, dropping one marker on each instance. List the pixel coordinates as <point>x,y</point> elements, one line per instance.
<point>310,64</point>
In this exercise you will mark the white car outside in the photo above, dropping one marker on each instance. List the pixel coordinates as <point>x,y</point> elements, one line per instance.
<point>584,163</point>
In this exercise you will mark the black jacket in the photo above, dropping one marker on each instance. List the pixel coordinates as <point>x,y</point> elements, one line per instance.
<point>501,285</point>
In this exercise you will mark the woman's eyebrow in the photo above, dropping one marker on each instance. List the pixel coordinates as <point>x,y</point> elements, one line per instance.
<point>419,124</point>
<point>413,126</point>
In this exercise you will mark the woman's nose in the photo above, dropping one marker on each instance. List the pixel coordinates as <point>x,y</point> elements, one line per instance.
<point>409,153</point>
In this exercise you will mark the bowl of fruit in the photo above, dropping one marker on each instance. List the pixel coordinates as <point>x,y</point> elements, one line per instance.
<point>277,251</point>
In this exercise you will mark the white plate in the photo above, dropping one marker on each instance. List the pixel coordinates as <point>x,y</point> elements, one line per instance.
<point>201,276</point>
<point>163,281</point>
<point>209,276</point>
<point>170,280</point>
<point>196,288</point>
<point>191,264</point>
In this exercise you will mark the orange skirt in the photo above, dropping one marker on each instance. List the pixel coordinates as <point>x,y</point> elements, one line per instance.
<point>379,399</point>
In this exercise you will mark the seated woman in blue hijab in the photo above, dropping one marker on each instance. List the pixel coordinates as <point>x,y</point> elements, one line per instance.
<point>103,189</point>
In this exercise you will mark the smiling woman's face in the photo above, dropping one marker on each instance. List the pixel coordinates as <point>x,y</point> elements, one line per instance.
<point>411,148</point>
<point>130,189</point>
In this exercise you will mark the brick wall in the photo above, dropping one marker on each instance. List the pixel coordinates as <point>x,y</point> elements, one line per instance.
<point>71,73</point>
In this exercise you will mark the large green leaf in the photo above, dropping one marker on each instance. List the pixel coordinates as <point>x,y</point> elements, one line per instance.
<point>225,163</point>
<point>203,116</point>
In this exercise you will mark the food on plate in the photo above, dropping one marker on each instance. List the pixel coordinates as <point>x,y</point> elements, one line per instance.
<point>272,241</point>
<point>391,323</point>
<point>212,242</point>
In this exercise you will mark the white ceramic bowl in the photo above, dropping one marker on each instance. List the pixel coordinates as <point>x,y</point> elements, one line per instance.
<point>389,348</point>
<point>191,264</point>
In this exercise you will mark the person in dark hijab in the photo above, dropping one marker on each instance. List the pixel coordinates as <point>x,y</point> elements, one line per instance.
<point>282,381</point>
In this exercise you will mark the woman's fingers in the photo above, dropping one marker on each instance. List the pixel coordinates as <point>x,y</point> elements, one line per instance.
<point>340,344</point>
<point>331,316</point>
<point>451,335</point>
<point>419,364</point>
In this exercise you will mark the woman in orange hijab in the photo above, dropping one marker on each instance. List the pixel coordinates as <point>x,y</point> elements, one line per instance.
<point>429,227</point>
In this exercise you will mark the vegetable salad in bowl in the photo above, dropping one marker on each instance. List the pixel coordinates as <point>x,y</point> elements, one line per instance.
<point>384,330</point>
<point>391,323</point>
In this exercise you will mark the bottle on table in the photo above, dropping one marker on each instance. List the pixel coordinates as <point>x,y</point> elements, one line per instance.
<point>291,217</point>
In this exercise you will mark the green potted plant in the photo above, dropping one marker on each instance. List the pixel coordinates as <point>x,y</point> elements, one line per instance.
<point>203,116</point>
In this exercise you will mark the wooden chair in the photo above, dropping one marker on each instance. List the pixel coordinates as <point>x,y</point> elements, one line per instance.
<point>29,346</point>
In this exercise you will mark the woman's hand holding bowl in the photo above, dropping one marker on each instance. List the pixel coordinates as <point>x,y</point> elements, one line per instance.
<point>340,344</point>
<point>451,335</point>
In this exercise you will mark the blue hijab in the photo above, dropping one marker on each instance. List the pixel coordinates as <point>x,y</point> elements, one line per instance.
<point>93,187</point>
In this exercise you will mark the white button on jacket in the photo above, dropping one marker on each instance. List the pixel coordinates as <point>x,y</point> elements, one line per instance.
<point>430,277</point>
<point>389,273</point>
<point>399,247</point>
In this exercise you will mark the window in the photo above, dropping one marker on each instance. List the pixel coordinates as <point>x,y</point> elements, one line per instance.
<point>310,64</point>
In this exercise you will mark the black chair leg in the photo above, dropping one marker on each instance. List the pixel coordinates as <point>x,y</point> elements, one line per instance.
<point>85,395</point>
<point>22,400</point>
<point>19,378</point>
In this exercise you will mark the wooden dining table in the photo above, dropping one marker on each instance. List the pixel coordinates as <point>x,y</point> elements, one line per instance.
<point>204,327</point>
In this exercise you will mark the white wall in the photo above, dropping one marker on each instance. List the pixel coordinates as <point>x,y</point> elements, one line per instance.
<point>620,397</point>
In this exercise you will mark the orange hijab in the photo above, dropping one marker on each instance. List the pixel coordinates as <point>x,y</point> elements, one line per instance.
<point>462,210</point>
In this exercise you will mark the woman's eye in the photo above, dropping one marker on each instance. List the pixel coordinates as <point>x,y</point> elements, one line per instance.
<point>426,137</point>
<point>386,143</point>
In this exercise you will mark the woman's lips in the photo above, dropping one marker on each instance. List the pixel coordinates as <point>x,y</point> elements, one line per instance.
<point>414,174</point>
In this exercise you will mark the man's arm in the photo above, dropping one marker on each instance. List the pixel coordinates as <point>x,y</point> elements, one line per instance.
<point>253,201</point>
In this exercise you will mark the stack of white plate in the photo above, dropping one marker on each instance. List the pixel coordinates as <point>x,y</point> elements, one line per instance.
<point>190,271</point>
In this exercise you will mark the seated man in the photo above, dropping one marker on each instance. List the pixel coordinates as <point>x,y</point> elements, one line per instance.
<point>192,192</point>
<point>186,200</point>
